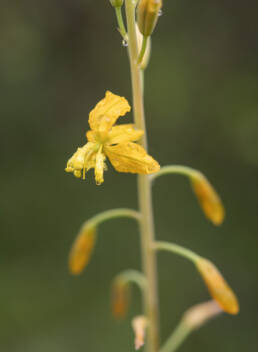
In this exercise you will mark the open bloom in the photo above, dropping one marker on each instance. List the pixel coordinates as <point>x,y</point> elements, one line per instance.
<point>114,142</point>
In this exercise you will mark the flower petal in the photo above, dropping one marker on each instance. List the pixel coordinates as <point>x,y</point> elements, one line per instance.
<point>131,157</point>
<point>107,111</point>
<point>124,134</point>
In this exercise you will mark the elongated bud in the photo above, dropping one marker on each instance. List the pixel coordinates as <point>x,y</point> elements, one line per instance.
<point>208,198</point>
<point>117,3</point>
<point>147,15</point>
<point>217,286</point>
<point>199,314</point>
<point>120,297</point>
<point>81,250</point>
<point>139,325</point>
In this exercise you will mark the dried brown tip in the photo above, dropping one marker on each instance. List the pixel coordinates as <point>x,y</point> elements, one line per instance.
<point>208,198</point>
<point>217,286</point>
<point>81,250</point>
<point>139,325</point>
<point>120,297</point>
<point>199,314</point>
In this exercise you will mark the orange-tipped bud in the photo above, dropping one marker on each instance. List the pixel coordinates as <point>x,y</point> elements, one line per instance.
<point>147,16</point>
<point>199,314</point>
<point>217,286</point>
<point>120,297</point>
<point>208,198</point>
<point>81,250</point>
<point>139,327</point>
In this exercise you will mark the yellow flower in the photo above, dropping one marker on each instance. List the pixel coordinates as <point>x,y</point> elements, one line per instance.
<point>114,142</point>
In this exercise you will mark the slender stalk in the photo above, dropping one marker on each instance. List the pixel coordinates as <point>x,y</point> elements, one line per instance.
<point>177,338</point>
<point>179,250</point>
<point>113,214</point>
<point>133,276</point>
<point>120,22</point>
<point>175,169</point>
<point>144,192</point>
<point>143,49</point>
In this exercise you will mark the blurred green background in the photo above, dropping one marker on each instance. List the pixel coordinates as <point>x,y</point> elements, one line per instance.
<point>57,59</point>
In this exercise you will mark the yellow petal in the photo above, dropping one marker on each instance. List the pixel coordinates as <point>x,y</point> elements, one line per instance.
<point>107,111</point>
<point>131,157</point>
<point>208,198</point>
<point>82,250</point>
<point>124,134</point>
<point>91,136</point>
<point>217,286</point>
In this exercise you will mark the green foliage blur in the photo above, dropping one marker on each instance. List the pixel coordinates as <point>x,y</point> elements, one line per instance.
<point>57,59</point>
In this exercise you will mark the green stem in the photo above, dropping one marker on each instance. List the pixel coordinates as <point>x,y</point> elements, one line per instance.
<point>175,248</point>
<point>177,338</point>
<point>120,22</point>
<point>143,49</point>
<point>113,214</point>
<point>175,169</point>
<point>133,276</point>
<point>144,192</point>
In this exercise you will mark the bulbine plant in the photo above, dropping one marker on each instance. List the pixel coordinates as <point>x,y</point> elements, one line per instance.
<point>125,146</point>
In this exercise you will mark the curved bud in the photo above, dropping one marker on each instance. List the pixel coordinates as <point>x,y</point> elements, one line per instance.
<point>82,249</point>
<point>147,15</point>
<point>217,286</point>
<point>199,314</point>
<point>120,297</point>
<point>117,3</point>
<point>139,325</point>
<point>208,198</point>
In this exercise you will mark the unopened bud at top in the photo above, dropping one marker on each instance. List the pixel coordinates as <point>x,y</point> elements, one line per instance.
<point>208,198</point>
<point>82,249</point>
<point>147,15</point>
<point>199,314</point>
<point>117,3</point>
<point>217,286</point>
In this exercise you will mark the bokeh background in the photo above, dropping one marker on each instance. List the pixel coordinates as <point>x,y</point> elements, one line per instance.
<point>57,59</point>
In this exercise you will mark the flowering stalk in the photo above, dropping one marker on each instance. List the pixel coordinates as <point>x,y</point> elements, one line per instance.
<point>193,319</point>
<point>144,190</point>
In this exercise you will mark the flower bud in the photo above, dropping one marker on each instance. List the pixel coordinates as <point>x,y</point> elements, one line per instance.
<point>82,249</point>
<point>120,297</point>
<point>147,15</point>
<point>217,286</point>
<point>208,198</point>
<point>199,314</point>
<point>139,327</point>
<point>117,3</point>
